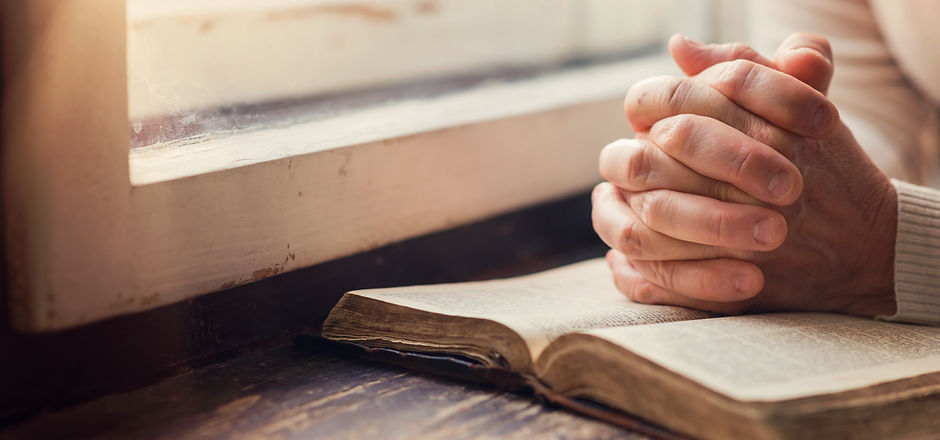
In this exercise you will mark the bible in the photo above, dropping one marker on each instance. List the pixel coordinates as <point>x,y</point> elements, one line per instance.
<point>571,333</point>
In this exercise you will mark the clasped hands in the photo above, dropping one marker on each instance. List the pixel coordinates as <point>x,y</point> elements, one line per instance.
<point>744,191</point>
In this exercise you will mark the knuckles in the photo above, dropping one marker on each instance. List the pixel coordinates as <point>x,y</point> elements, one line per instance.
<point>709,280</point>
<point>718,222</point>
<point>736,77</point>
<point>626,163</point>
<point>652,206</point>
<point>677,92</point>
<point>742,51</point>
<point>639,202</point>
<point>719,190</point>
<point>646,99</point>
<point>642,292</point>
<point>672,133</point>
<point>629,241</point>
<point>664,274</point>
<point>637,167</point>
<point>628,236</point>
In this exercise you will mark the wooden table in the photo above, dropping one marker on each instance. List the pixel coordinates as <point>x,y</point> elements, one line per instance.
<point>286,392</point>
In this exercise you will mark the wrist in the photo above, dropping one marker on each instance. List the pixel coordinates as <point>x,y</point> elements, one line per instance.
<point>883,237</point>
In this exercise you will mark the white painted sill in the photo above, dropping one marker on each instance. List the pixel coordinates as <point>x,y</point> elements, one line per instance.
<point>548,92</point>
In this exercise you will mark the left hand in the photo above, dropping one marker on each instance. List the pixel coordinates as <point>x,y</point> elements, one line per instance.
<point>693,210</point>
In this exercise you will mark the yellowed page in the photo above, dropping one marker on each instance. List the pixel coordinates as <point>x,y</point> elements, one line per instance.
<point>784,356</point>
<point>539,307</point>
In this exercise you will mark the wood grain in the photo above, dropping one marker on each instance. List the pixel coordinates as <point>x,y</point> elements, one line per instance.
<point>47,371</point>
<point>286,393</point>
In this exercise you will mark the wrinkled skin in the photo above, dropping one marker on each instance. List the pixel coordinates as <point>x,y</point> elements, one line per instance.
<point>744,192</point>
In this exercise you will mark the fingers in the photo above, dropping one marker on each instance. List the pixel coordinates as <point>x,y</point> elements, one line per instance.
<point>716,280</point>
<point>715,150</point>
<point>704,220</point>
<point>807,57</point>
<point>635,286</point>
<point>693,57</point>
<point>775,96</point>
<point>618,226</point>
<point>659,97</point>
<point>742,94</point>
<point>640,165</point>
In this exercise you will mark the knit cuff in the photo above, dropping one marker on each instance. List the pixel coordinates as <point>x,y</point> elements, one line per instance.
<point>917,255</point>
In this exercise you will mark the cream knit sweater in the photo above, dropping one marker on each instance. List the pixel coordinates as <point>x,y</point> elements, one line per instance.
<point>887,87</point>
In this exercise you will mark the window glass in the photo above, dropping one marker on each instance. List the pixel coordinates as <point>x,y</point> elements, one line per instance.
<point>204,68</point>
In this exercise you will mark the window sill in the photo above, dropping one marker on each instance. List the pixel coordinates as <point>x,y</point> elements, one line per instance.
<point>181,221</point>
<point>546,93</point>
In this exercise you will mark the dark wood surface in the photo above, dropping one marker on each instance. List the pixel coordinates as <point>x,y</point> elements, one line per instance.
<point>286,393</point>
<point>45,372</point>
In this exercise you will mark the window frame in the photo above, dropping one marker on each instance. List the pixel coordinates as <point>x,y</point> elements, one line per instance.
<point>84,243</point>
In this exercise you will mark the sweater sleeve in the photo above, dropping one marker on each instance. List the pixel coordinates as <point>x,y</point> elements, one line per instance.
<point>917,255</point>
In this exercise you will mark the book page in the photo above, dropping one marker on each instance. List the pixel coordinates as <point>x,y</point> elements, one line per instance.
<point>539,307</point>
<point>784,356</point>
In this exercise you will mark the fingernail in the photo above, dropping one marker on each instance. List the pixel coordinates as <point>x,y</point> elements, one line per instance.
<point>763,231</point>
<point>780,184</point>
<point>822,117</point>
<point>811,46</point>
<point>744,285</point>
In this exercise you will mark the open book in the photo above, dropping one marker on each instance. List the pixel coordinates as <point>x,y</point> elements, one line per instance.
<point>789,375</point>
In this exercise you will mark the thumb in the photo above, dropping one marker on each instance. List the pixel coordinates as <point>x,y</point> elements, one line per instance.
<point>694,57</point>
<point>807,57</point>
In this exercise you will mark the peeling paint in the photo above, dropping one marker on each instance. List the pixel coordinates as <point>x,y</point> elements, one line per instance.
<point>149,299</point>
<point>288,258</point>
<point>344,168</point>
<point>206,26</point>
<point>263,273</point>
<point>364,11</point>
<point>426,7</point>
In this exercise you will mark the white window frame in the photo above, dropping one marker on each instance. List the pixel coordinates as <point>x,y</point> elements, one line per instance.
<point>86,241</point>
